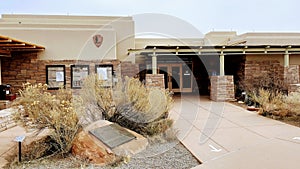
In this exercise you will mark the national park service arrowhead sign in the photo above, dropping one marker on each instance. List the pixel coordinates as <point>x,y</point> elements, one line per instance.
<point>97,39</point>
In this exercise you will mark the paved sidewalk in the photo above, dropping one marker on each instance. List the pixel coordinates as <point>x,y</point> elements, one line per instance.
<point>225,136</point>
<point>220,135</point>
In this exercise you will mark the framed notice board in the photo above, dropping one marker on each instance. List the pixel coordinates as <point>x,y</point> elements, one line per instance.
<point>105,73</point>
<point>78,74</point>
<point>55,76</point>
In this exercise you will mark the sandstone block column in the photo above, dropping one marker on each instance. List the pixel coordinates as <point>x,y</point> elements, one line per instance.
<point>155,80</point>
<point>222,88</point>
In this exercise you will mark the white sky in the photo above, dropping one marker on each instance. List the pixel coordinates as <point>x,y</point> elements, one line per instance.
<point>205,15</point>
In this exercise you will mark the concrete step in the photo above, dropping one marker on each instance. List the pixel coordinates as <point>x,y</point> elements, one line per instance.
<point>6,120</point>
<point>6,123</point>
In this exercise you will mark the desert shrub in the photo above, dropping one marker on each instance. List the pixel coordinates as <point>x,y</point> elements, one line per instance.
<point>269,81</point>
<point>292,103</point>
<point>97,99</point>
<point>130,104</point>
<point>268,101</point>
<point>277,104</point>
<point>150,103</point>
<point>39,109</point>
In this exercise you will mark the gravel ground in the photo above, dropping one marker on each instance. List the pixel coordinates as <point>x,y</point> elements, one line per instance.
<point>170,155</point>
<point>163,155</point>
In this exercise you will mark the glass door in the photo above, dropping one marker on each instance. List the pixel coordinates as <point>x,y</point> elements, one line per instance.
<point>172,76</point>
<point>176,78</point>
<point>187,78</point>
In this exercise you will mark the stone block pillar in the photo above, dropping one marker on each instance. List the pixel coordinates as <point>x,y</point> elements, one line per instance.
<point>291,75</point>
<point>222,88</point>
<point>293,88</point>
<point>155,80</point>
<point>129,69</point>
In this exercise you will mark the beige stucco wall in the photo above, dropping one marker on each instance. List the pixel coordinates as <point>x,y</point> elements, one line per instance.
<point>141,43</point>
<point>70,37</point>
<point>295,59</point>
<point>68,44</point>
<point>219,38</point>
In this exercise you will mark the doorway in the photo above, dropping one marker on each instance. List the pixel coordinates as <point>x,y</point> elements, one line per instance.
<point>177,77</point>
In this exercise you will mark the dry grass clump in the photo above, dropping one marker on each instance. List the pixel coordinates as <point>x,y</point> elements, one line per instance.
<point>269,102</point>
<point>129,103</point>
<point>277,104</point>
<point>97,100</point>
<point>150,103</point>
<point>39,109</point>
<point>292,103</point>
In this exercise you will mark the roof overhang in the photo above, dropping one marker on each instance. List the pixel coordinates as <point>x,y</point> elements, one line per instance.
<point>226,50</point>
<point>9,45</point>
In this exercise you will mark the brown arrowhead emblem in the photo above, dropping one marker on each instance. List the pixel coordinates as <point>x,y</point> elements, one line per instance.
<point>98,39</point>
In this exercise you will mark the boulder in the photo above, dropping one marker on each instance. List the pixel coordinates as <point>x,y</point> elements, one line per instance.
<point>36,144</point>
<point>89,148</point>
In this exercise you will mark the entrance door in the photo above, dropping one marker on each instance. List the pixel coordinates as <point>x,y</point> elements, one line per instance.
<point>187,78</point>
<point>177,77</point>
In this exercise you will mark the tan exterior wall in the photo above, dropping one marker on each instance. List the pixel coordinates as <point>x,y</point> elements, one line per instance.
<point>141,43</point>
<point>219,38</point>
<point>68,44</point>
<point>70,37</point>
<point>295,59</point>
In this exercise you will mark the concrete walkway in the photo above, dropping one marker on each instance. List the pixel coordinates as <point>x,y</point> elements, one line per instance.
<point>225,136</point>
<point>220,135</point>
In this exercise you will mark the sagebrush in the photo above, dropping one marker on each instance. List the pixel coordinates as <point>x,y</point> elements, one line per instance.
<point>129,103</point>
<point>36,108</point>
<point>277,104</point>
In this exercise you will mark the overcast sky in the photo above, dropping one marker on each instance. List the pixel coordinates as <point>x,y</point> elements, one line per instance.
<point>204,15</point>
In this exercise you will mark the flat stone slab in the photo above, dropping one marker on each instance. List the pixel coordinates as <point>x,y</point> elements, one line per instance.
<point>112,135</point>
<point>122,143</point>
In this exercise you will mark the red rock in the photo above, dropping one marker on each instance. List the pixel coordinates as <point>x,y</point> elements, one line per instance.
<point>87,147</point>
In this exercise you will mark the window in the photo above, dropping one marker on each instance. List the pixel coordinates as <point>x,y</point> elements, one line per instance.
<point>78,74</point>
<point>55,76</point>
<point>105,73</point>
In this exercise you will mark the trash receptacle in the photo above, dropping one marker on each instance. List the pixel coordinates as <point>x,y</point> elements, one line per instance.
<point>4,91</point>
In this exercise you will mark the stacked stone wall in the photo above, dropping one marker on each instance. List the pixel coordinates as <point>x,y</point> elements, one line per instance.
<point>129,69</point>
<point>263,73</point>
<point>155,80</point>
<point>291,74</point>
<point>222,88</point>
<point>25,67</point>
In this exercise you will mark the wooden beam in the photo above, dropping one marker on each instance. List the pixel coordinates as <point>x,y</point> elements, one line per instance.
<point>11,45</point>
<point>19,47</point>
<point>19,41</point>
<point>4,52</point>
<point>5,40</point>
<point>27,50</point>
